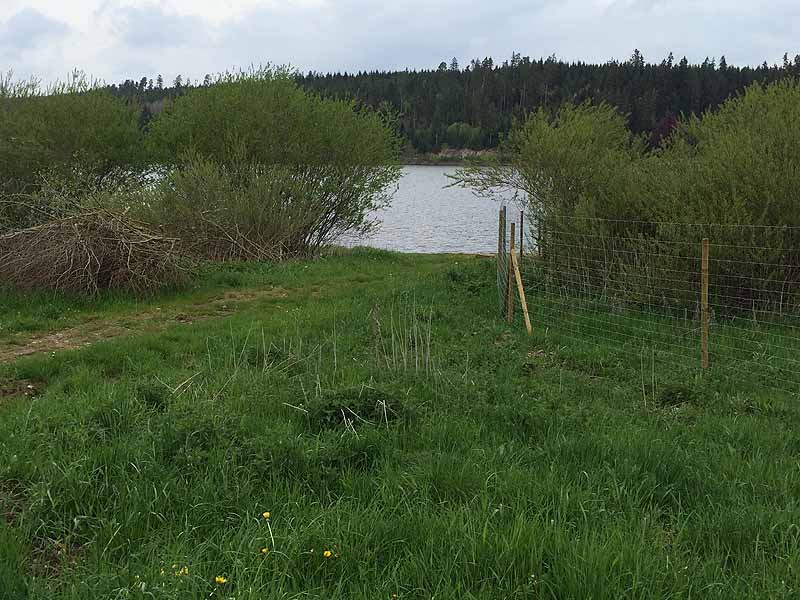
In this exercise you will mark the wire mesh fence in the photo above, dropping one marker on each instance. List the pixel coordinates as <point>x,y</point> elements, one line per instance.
<point>721,298</point>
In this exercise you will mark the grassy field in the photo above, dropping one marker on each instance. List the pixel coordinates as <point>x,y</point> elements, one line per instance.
<point>404,442</point>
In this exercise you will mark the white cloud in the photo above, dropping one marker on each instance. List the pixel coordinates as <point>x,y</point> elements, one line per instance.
<point>27,30</point>
<point>118,39</point>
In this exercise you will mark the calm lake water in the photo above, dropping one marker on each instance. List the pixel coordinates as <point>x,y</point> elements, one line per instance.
<point>426,216</point>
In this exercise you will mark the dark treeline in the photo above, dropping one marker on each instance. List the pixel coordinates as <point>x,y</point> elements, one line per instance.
<point>474,106</point>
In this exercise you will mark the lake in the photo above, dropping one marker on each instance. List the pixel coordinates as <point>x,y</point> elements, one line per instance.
<point>426,216</point>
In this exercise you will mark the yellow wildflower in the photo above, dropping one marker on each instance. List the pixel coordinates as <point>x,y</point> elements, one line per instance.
<point>327,554</point>
<point>219,579</point>
<point>265,515</point>
<point>264,550</point>
<point>184,571</point>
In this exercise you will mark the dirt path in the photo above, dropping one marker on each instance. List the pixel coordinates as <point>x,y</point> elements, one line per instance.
<point>93,329</point>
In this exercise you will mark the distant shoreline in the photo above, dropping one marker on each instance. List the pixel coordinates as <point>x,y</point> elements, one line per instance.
<point>447,158</point>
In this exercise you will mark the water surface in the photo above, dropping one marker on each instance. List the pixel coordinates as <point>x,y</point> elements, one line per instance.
<point>426,216</point>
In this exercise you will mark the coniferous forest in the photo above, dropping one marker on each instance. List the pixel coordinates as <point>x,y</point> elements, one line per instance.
<point>473,106</point>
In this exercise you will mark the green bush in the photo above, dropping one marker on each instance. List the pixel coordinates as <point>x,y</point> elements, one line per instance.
<point>272,163</point>
<point>610,217</point>
<point>744,157</point>
<point>75,130</point>
<point>66,141</point>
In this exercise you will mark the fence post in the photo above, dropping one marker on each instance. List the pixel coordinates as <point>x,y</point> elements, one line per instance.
<point>539,237</point>
<point>522,301</point>
<point>501,255</point>
<point>500,229</point>
<point>521,233</point>
<point>510,283</point>
<point>704,316</point>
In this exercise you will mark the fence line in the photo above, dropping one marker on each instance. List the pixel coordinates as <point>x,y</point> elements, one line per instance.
<point>704,297</point>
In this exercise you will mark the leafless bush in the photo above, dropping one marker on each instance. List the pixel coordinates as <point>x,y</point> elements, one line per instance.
<point>89,252</point>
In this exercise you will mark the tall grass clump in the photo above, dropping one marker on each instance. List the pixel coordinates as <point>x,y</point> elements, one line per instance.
<point>257,168</point>
<point>612,216</point>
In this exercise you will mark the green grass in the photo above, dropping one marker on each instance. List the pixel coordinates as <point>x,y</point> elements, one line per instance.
<point>382,411</point>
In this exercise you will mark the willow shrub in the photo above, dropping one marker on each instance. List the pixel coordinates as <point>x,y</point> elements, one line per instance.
<point>75,129</point>
<point>74,133</point>
<point>613,218</point>
<point>255,158</point>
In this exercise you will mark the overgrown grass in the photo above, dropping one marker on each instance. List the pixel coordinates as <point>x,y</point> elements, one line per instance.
<point>382,412</point>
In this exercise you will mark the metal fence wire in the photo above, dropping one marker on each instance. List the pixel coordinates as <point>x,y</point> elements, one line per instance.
<point>714,297</point>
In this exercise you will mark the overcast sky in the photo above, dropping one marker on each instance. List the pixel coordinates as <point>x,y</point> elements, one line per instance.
<point>120,39</point>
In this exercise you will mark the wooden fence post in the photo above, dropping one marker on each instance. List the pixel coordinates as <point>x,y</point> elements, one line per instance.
<point>500,229</point>
<point>502,275</point>
<point>704,316</point>
<point>510,283</point>
<point>522,301</point>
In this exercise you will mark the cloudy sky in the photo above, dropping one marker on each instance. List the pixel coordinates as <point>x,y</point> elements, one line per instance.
<point>119,39</point>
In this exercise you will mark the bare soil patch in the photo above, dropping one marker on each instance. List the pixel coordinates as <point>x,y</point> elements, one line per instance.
<point>19,388</point>
<point>94,329</point>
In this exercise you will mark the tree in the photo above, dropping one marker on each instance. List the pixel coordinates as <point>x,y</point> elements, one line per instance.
<point>491,96</point>
<point>160,82</point>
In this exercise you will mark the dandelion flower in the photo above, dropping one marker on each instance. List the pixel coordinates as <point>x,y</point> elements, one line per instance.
<point>264,550</point>
<point>265,515</point>
<point>327,554</point>
<point>184,572</point>
<point>219,579</point>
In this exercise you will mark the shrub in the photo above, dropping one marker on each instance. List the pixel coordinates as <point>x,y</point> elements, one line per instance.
<point>261,165</point>
<point>262,212</point>
<point>745,166</point>
<point>612,218</point>
<point>75,129</point>
<point>74,138</point>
